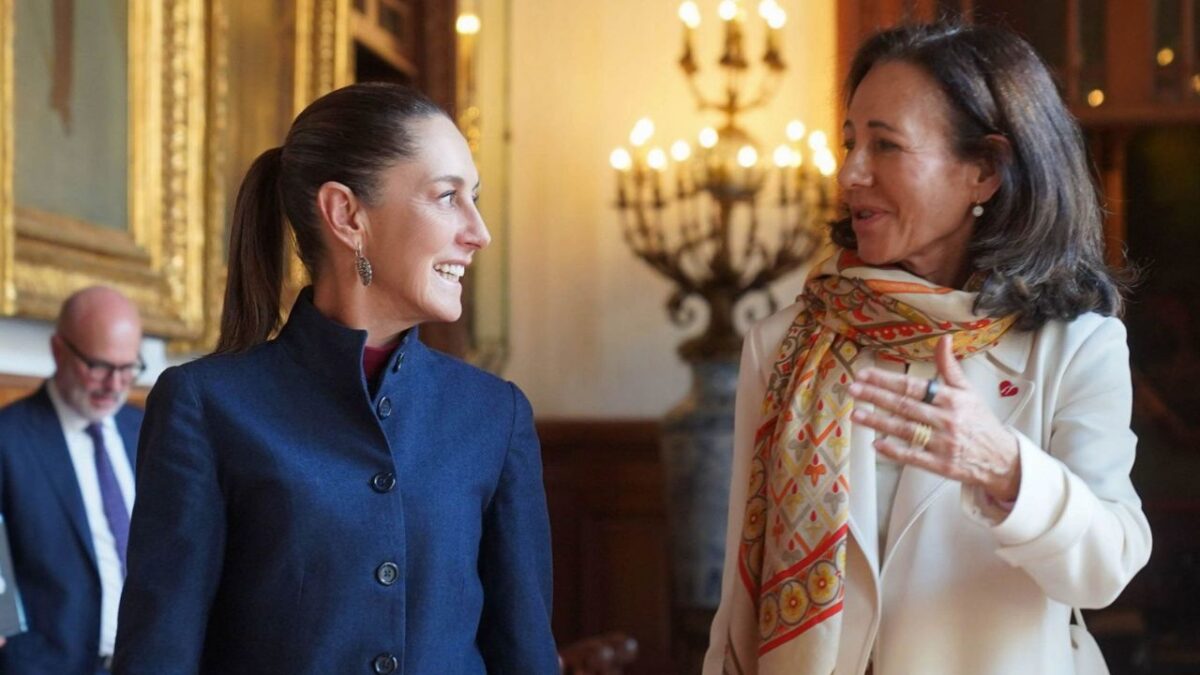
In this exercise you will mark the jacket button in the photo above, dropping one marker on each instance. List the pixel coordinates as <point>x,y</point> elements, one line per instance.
<point>385,663</point>
<point>387,573</point>
<point>383,481</point>
<point>385,408</point>
<point>399,361</point>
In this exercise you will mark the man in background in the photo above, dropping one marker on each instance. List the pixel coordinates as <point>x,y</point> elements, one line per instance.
<point>66,488</point>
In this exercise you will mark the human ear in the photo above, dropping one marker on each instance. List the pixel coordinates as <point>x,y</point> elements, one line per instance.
<point>997,155</point>
<point>57,350</point>
<point>342,214</point>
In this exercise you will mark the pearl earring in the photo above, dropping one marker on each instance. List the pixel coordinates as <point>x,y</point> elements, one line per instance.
<point>977,210</point>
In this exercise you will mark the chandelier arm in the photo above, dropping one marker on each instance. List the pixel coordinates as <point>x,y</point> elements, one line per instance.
<point>779,268</point>
<point>677,310</point>
<point>636,228</point>
<point>655,233</point>
<point>787,237</point>
<point>751,238</point>
<point>748,314</point>
<point>722,228</point>
<point>687,218</point>
<point>776,266</point>
<point>656,263</point>
<point>643,235</point>
<point>691,252</point>
<point>690,239</point>
<point>757,260</point>
<point>718,262</point>
<point>668,266</point>
<point>628,232</point>
<point>702,102</point>
<point>767,89</point>
<point>701,255</point>
<point>733,95</point>
<point>694,232</point>
<point>805,228</point>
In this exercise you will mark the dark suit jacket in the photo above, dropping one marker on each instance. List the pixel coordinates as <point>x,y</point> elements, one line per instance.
<point>289,520</point>
<point>53,557</point>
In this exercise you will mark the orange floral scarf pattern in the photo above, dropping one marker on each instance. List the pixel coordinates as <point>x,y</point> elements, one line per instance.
<point>792,556</point>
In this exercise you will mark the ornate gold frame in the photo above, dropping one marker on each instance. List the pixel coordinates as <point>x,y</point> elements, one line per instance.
<point>323,50</point>
<point>482,102</point>
<point>160,260</point>
<point>323,63</point>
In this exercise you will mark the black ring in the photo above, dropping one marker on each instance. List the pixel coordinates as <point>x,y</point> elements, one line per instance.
<point>931,391</point>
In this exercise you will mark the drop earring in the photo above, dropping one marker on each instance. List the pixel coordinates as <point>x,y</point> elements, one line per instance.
<point>363,266</point>
<point>977,210</point>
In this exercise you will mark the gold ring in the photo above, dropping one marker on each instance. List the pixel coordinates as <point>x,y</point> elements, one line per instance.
<point>920,437</point>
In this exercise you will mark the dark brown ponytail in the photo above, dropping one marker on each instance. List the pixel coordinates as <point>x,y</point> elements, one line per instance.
<point>350,136</point>
<point>256,239</point>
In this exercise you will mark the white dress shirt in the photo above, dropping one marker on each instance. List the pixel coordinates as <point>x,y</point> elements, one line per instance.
<point>83,457</point>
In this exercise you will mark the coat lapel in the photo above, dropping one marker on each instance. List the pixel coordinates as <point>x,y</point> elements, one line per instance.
<point>997,377</point>
<point>49,448</point>
<point>864,525</point>
<point>128,426</point>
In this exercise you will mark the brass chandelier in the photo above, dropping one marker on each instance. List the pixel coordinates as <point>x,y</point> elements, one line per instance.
<point>720,220</point>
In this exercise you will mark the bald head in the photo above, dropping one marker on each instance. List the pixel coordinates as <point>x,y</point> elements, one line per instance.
<point>96,307</point>
<point>99,332</point>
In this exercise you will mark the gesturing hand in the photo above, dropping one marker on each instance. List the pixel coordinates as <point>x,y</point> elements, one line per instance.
<point>952,433</point>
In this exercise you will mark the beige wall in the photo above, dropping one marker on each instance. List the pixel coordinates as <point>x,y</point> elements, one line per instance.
<point>590,334</point>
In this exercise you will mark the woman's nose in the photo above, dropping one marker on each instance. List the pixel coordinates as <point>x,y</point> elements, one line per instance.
<point>476,234</point>
<point>854,171</point>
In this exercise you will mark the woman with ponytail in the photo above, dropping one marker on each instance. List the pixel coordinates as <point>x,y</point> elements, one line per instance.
<point>932,445</point>
<point>331,496</point>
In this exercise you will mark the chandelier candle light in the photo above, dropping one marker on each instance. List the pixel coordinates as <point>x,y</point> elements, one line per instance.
<point>722,220</point>
<point>695,215</point>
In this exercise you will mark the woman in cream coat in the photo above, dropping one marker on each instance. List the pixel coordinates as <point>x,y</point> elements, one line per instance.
<point>932,445</point>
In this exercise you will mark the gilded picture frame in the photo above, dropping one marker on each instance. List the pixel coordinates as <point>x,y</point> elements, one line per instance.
<point>159,258</point>
<point>482,95</point>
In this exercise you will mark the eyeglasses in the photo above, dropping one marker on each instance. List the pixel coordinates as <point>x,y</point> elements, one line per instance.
<point>102,370</point>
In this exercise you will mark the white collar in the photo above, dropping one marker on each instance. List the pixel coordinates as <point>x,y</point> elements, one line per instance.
<point>68,416</point>
<point>1012,351</point>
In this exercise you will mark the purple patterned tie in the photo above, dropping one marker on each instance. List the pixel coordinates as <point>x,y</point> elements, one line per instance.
<point>110,493</point>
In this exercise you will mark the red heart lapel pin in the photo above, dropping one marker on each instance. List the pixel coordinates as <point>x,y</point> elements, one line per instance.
<point>1007,389</point>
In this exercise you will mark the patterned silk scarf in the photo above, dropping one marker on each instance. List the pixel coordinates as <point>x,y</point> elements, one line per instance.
<point>786,614</point>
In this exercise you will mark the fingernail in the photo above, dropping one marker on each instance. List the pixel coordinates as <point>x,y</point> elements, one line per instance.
<point>855,389</point>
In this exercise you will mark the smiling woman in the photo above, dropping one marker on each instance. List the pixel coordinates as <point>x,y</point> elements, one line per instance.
<point>940,423</point>
<point>421,231</point>
<point>909,194</point>
<point>341,492</point>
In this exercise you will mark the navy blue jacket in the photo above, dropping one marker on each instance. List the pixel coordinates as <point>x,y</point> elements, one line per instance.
<point>53,557</point>
<point>290,521</point>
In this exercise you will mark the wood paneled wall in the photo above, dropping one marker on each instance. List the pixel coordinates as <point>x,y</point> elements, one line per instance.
<point>604,484</point>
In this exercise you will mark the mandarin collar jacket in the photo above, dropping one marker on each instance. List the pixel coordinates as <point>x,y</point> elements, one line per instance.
<point>290,518</point>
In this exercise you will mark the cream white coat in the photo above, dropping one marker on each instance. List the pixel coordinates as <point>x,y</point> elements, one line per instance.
<point>960,589</point>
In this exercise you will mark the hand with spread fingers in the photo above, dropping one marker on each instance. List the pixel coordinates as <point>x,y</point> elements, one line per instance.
<point>939,425</point>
